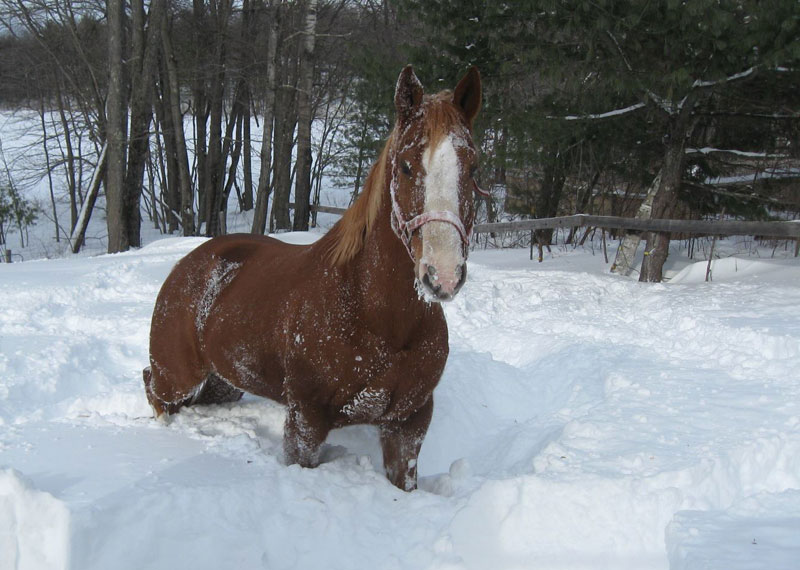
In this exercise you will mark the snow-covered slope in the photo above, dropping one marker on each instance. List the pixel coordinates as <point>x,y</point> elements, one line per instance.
<point>584,421</point>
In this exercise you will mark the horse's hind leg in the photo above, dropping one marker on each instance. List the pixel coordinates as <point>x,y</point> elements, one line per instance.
<point>168,397</point>
<point>216,390</point>
<point>163,397</point>
<point>168,392</point>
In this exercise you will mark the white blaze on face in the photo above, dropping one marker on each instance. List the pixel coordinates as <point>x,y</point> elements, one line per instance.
<point>441,242</point>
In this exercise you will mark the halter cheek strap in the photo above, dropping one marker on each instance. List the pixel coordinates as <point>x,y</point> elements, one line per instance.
<point>480,190</point>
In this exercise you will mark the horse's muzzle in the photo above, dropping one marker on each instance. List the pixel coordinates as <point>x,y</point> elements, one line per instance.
<point>444,286</point>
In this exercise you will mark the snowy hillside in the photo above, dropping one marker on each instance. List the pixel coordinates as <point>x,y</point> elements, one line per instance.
<point>584,421</point>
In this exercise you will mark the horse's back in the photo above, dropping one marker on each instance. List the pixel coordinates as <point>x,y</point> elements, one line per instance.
<point>198,268</point>
<point>238,248</point>
<point>194,286</point>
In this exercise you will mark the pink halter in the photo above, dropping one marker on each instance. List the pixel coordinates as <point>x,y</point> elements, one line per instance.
<point>404,228</point>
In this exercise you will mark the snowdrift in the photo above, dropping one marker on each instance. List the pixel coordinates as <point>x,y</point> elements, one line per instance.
<point>583,421</point>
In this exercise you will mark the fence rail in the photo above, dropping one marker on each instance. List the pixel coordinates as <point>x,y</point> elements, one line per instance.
<point>702,227</point>
<point>697,227</point>
<point>326,209</point>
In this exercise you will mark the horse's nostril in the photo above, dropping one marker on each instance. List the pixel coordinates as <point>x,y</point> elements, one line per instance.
<point>431,272</point>
<point>426,280</point>
<point>461,275</point>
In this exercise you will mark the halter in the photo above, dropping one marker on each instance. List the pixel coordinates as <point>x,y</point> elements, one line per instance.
<point>481,191</point>
<point>404,229</point>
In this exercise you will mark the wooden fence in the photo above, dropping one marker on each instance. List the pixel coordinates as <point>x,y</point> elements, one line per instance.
<point>786,230</point>
<point>696,227</point>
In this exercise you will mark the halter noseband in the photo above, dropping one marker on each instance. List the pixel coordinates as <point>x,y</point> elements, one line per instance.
<point>404,229</point>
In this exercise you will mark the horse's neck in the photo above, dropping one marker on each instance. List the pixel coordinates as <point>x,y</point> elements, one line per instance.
<point>383,263</point>
<point>383,277</point>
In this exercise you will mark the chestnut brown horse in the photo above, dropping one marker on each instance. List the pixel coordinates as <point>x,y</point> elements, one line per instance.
<point>346,330</point>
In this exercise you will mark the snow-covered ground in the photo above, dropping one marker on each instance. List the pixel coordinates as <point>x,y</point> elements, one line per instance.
<point>584,421</point>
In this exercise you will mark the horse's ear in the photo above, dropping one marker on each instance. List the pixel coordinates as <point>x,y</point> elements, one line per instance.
<point>407,95</point>
<point>467,94</point>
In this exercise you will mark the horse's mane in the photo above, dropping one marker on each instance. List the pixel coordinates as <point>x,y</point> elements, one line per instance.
<point>347,237</point>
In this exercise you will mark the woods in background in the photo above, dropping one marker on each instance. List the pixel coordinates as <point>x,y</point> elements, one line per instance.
<point>654,109</point>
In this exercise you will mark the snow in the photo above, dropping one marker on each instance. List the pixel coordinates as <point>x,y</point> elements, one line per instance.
<point>711,150</point>
<point>584,421</point>
<point>607,114</point>
<point>776,173</point>
<point>761,532</point>
<point>734,77</point>
<point>32,525</point>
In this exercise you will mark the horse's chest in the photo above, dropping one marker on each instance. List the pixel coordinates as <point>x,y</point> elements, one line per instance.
<point>356,377</point>
<point>361,370</point>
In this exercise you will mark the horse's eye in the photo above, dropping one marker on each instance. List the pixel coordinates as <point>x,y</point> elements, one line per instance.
<point>473,170</point>
<point>405,168</point>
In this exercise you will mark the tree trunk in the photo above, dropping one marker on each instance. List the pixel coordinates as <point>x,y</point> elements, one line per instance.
<point>249,25</point>
<point>302,192</point>
<point>582,205</point>
<point>285,120</point>
<point>173,104</point>
<point>500,171</point>
<point>202,39</point>
<point>262,192</point>
<point>232,147</point>
<point>170,200</point>
<point>70,160</point>
<point>79,232</point>
<point>681,127</point>
<point>47,164</point>
<point>657,245</point>
<point>142,77</point>
<point>247,152</point>
<point>623,262</point>
<point>115,132</point>
<point>215,161</point>
<point>170,187</point>
<point>549,196</point>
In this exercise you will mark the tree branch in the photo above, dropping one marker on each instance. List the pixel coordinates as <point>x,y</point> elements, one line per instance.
<point>606,115</point>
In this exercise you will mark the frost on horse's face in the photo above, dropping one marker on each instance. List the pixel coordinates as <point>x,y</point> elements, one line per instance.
<point>432,181</point>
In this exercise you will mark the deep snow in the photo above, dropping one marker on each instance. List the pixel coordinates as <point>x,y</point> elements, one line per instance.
<point>584,421</point>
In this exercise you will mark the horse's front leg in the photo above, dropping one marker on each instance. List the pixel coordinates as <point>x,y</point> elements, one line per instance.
<point>304,433</point>
<point>401,442</point>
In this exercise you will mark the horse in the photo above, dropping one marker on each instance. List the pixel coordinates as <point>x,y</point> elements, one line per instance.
<point>349,329</point>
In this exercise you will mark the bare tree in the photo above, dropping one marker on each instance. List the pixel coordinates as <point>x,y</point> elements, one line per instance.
<point>175,138</point>
<point>115,131</point>
<point>263,188</point>
<point>302,192</point>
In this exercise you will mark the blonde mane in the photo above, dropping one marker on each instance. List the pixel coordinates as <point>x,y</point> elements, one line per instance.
<point>347,237</point>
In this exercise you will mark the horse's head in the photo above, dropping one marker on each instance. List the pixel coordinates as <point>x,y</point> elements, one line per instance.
<point>432,180</point>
